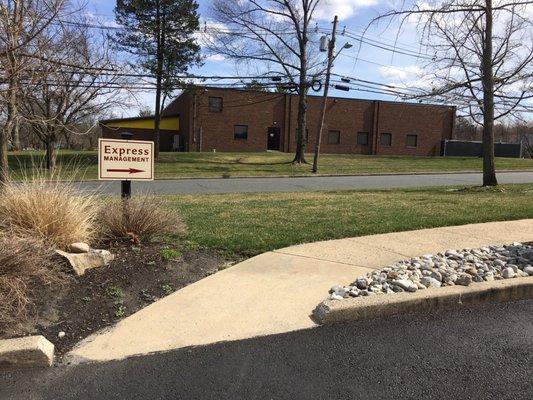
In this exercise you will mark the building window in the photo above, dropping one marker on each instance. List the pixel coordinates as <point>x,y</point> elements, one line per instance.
<point>362,138</point>
<point>215,104</point>
<point>240,132</point>
<point>411,140</point>
<point>385,139</point>
<point>334,137</point>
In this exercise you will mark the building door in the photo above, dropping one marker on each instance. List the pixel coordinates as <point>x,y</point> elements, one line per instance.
<point>274,139</point>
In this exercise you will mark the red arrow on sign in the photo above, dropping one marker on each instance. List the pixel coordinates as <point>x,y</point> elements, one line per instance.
<point>129,170</point>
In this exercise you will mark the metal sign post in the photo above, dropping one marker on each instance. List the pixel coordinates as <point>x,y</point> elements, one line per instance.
<point>125,185</point>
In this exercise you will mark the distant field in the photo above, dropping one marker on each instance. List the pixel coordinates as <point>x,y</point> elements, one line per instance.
<point>83,165</point>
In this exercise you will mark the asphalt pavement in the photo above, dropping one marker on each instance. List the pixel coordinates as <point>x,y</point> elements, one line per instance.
<point>296,184</point>
<point>473,353</point>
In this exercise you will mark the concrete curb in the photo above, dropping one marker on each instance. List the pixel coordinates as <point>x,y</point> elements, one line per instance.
<point>29,351</point>
<point>351,309</point>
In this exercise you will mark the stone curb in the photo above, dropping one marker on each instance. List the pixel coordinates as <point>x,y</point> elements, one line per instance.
<point>351,309</point>
<point>24,352</point>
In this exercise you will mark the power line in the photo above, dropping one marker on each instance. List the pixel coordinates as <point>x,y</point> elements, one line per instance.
<point>384,46</point>
<point>228,31</point>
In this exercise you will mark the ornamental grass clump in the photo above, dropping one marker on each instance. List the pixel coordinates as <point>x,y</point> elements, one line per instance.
<point>140,218</point>
<point>25,264</point>
<point>53,211</point>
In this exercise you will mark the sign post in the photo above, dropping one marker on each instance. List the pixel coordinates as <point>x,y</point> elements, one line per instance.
<point>125,160</point>
<point>125,185</point>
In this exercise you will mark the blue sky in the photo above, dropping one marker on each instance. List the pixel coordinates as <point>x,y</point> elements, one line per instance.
<point>373,63</point>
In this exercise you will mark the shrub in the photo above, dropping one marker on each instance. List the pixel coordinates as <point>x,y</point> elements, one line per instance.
<point>55,211</point>
<point>24,262</point>
<point>139,218</point>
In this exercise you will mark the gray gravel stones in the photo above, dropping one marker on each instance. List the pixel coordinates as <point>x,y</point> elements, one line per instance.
<point>452,267</point>
<point>429,281</point>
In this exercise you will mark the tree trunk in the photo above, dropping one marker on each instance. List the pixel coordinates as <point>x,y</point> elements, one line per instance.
<point>8,130</point>
<point>13,131</point>
<point>299,157</point>
<point>4,166</point>
<point>159,78</point>
<point>301,127</point>
<point>50,154</point>
<point>157,116</point>
<point>13,126</point>
<point>489,170</point>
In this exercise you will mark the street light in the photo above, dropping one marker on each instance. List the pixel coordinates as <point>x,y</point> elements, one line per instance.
<point>346,45</point>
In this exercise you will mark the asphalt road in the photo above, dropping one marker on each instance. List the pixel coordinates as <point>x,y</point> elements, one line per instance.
<point>254,185</point>
<point>479,353</point>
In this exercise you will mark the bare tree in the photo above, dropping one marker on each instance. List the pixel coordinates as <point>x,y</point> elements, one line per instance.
<point>483,59</point>
<point>21,22</point>
<point>78,80</point>
<point>274,34</point>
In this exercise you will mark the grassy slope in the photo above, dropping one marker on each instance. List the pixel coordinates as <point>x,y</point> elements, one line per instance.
<point>173,165</point>
<point>254,223</point>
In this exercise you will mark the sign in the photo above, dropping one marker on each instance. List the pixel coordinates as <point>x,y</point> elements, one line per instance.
<point>129,160</point>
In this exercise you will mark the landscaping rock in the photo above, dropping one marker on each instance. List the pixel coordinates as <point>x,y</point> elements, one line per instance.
<point>508,273</point>
<point>453,267</point>
<point>81,262</point>
<point>406,285</point>
<point>464,280</point>
<point>29,351</point>
<point>428,281</point>
<point>79,247</point>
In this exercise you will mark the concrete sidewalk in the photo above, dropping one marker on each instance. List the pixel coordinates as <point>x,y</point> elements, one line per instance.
<point>276,292</point>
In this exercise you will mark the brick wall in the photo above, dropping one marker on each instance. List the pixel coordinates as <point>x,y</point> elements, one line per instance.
<point>431,124</point>
<point>346,116</point>
<point>257,110</point>
<point>183,106</point>
<point>207,130</point>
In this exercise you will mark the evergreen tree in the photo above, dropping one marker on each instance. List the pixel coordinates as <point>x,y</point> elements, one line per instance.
<point>160,34</point>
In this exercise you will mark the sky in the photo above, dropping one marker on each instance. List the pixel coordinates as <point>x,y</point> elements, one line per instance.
<point>361,61</point>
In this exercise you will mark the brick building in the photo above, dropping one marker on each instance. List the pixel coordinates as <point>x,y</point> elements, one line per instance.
<point>225,119</point>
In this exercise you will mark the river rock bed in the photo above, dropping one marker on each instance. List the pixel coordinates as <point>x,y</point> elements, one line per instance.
<point>453,267</point>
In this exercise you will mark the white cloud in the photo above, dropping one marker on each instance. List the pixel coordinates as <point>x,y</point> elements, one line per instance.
<point>342,8</point>
<point>400,73</point>
<point>215,57</point>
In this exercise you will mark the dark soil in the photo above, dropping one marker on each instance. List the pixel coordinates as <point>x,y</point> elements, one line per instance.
<point>138,276</point>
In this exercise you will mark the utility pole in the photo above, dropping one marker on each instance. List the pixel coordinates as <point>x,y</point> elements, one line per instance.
<point>331,49</point>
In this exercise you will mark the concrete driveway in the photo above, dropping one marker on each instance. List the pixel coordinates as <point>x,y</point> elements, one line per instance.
<point>297,184</point>
<point>276,292</point>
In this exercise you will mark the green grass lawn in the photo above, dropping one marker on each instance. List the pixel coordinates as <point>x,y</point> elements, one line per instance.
<point>250,224</point>
<point>179,165</point>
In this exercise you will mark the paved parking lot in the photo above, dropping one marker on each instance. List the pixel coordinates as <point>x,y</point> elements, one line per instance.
<point>473,353</point>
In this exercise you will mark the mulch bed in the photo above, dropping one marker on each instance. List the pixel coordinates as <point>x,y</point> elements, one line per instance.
<point>138,276</point>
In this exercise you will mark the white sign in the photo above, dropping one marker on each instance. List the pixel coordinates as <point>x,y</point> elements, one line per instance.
<point>125,160</point>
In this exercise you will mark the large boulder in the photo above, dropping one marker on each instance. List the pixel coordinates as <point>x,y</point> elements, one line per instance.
<point>81,262</point>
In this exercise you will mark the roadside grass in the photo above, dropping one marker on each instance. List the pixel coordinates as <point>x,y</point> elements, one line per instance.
<point>80,165</point>
<point>249,224</point>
